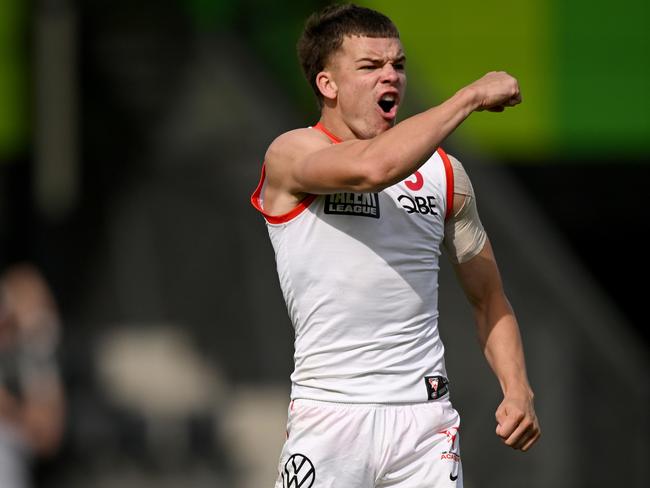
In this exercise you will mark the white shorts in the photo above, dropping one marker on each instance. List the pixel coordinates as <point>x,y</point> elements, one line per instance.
<point>335,445</point>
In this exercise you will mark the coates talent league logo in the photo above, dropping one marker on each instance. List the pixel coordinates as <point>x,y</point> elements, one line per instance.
<point>298,472</point>
<point>361,204</point>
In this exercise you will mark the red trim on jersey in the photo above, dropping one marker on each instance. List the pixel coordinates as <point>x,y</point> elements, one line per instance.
<point>302,205</point>
<point>449,173</point>
<point>332,137</point>
<point>278,219</point>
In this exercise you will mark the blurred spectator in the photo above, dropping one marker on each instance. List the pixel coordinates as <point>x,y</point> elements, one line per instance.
<point>31,394</point>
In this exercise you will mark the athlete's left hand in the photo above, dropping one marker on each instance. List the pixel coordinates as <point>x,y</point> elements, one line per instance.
<point>517,423</point>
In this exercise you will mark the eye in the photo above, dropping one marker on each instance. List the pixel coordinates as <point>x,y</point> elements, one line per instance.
<point>399,66</point>
<point>368,66</point>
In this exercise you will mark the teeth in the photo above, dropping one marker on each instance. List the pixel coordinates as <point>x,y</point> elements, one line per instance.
<point>388,97</point>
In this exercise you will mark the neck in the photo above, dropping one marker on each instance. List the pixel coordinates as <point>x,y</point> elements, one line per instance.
<point>333,122</point>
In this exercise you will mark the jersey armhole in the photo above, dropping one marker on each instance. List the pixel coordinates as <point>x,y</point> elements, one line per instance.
<point>256,197</point>
<point>449,176</point>
<point>256,201</point>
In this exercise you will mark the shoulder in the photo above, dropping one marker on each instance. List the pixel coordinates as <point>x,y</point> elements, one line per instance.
<point>463,189</point>
<point>462,183</point>
<point>456,165</point>
<point>293,145</point>
<point>284,157</point>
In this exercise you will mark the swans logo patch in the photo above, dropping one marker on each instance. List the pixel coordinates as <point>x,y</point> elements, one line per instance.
<point>298,472</point>
<point>437,386</point>
<point>361,204</point>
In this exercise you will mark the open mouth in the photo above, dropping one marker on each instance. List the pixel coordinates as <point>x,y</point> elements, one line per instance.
<point>387,103</point>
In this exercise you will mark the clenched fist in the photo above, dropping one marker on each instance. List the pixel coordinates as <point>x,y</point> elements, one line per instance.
<point>517,424</point>
<point>495,91</point>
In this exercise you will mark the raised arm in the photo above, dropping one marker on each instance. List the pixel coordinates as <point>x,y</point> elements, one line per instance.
<point>498,334</point>
<point>304,161</point>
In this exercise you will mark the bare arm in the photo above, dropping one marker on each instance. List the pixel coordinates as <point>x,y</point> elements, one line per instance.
<point>302,161</point>
<point>39,415</point>
<point>30,312</point>
<point>500,341</point>
<point>43,415</point>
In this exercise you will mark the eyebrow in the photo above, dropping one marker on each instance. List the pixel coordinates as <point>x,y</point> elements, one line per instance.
<point>399,59</point>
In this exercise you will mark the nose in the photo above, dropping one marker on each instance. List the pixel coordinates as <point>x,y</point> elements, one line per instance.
<point>389,74</point>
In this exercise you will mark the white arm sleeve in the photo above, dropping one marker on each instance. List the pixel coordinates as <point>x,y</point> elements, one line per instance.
<point>464,233</point>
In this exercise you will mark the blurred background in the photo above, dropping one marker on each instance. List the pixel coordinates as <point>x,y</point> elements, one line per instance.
<point>143,337</point>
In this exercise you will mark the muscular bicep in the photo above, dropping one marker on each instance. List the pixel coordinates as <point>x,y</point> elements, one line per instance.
<point>339,167</point>
<point>465,236</point>
<point>305,161</point>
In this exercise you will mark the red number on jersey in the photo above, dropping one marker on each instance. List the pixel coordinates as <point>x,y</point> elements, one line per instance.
<point>417,184</point>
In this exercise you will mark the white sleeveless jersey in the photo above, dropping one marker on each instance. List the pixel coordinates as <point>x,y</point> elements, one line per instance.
<point>359,274</point>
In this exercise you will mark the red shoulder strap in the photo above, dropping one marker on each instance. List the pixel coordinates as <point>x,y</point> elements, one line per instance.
<point>449,173</point>
<point>332,137</point>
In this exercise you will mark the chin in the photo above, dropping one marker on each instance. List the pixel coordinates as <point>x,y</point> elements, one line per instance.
<point>384,125</point>
<point>374,128</point>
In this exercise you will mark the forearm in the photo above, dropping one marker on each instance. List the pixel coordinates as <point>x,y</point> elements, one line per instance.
<point>39,420</point>
<point>502,345</point>
<point>402,149</point>
<point>42,418</point>
<point>398,152</point>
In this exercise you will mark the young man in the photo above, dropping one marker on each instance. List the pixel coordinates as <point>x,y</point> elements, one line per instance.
<point>357,208</point>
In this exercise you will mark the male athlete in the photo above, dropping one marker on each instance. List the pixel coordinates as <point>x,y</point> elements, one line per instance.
<point>357,208</point>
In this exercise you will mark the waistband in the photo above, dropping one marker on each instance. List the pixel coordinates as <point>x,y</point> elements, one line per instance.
<point>437,388</point>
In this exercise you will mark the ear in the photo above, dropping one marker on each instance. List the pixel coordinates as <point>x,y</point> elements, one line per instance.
<point>326,85</point>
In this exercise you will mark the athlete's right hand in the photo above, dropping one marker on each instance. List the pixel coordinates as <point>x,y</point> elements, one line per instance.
<point>495,91</point>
